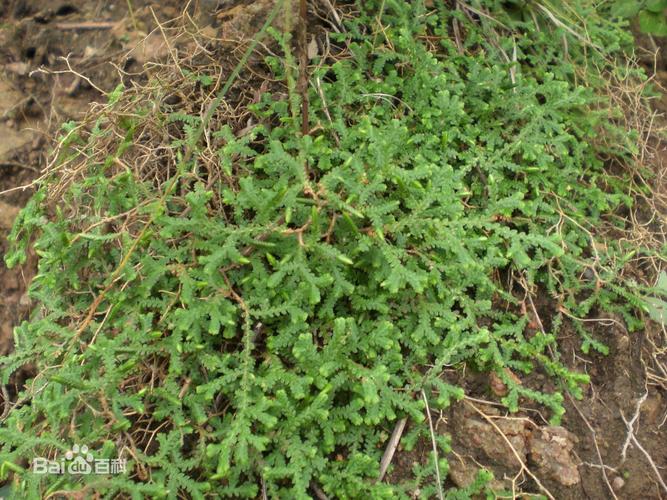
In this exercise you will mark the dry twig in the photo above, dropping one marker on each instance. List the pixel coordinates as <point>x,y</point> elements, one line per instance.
<point>86,25</point>
<point>597,448</point>
<point>435,447</point>
<point>391,447</point>
<point>632,438</point>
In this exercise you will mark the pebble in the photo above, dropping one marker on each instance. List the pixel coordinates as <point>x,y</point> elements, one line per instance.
<point>617,483</point>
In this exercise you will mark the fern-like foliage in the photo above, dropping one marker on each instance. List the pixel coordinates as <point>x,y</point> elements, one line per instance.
<point>260,326</point>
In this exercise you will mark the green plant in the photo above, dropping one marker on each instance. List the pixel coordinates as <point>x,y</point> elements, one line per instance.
<point>654,300</point>
<point>251,309</point>
<point>652,14</point>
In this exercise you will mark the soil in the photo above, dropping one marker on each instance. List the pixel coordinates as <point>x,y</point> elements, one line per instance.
<point>37,41</point>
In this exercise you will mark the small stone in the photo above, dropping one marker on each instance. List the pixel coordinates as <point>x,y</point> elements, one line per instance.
<point>484,436</point>
<point>617,483</point>
<point>550,449</point>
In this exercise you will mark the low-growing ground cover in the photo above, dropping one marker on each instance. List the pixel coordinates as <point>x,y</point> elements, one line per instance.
<point>242,303</point>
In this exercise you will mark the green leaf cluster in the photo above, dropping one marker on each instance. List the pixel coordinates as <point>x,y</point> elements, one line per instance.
<point>652,14</point>
<point>263,326</point>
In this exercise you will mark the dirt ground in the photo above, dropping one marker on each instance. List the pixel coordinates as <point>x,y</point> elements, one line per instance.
<point>584,458</point>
